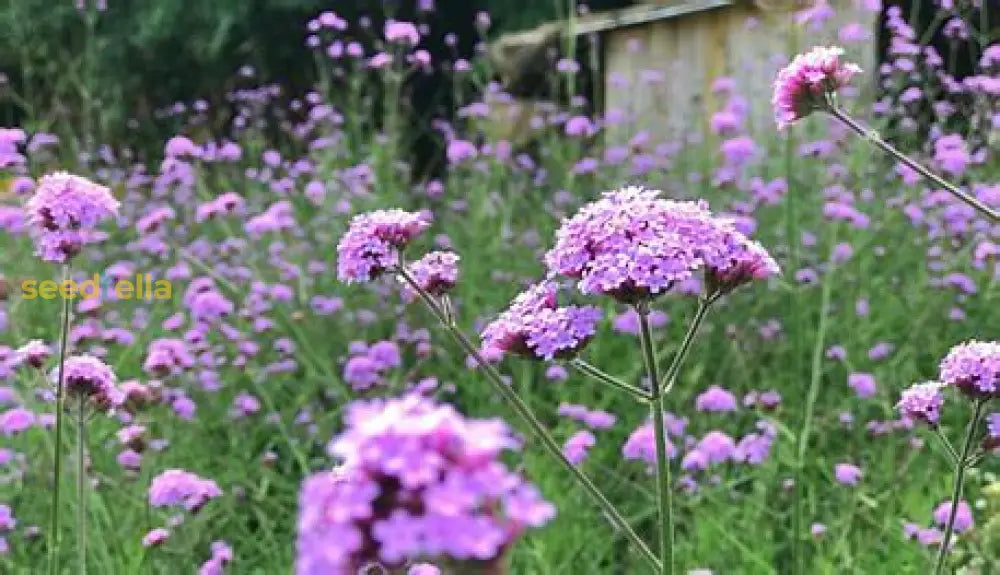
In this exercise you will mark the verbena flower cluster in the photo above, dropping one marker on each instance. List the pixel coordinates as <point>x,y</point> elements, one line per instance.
<point>436,273</point>
<point>804,85</point>
<point>535,326</point>
<point>418,480</point>
<point>88,377</point>
<point>64,212</point>
<point>373,242</point>
<point>632,245</point>
<point>974,368</point>
<point>179,488</point>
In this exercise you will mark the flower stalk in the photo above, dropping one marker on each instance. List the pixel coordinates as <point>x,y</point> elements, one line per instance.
<point>526,415</point>
<point>664,495</point>
<point>53,534</point>
<point>873,137</point>
<point>81,485</point>
<point>963,464</point>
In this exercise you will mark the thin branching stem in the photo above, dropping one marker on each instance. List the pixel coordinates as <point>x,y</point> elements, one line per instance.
<point>81,485</point>
<point>675,366</point>
<point>664,495</point>
<point>53,534</point>
<point>956,492</point>
<point>952,454</point>
<point>873,137</point>
<point>599,375</point>
<point>526,415</point>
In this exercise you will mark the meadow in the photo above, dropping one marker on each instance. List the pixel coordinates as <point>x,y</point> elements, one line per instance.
<point>788,451</point>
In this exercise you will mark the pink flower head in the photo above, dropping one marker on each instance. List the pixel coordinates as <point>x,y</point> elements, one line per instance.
<point>436,273</point>
<point>155,537</point>
<point>922,402</point>
<point>974,368</point>
<point>87,376</point>
<point>804,85</point>
<point>397,32</point>
<point>418,481</point>
<point>372,243</point>
<point>633,245</point>
<point>535,327</point>
<point>175,488</point>
<point>34,353</point>
<point>64,212</point>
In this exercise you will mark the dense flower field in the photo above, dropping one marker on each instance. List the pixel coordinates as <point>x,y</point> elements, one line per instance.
<point>735,352</point>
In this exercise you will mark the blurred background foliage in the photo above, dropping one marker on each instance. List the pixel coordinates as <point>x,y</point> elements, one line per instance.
<point>65,60</point>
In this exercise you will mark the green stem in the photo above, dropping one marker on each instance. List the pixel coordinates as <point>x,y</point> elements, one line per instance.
<point>524,412</point>
<point>53,534</point>
<point>599,375</point>
<point>956,493</point>
<point>952,454</point>
<point>874,138</point>
<point>815,377</point>
<point>663,481</point>
<point>81,487</point>
<point>675,366</point>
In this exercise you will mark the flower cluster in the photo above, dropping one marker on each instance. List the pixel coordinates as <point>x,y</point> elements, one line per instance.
<point>632,245</point>
<point>804,85</point>
<point>418,480</point>
<point>64,211</point>
<point>372,243</point>
<point>178,488</point>
<point>974,368</point>
<point>535,326</point>
<point>435,273</point>
<point>88,377</point>
<point>922,402</point>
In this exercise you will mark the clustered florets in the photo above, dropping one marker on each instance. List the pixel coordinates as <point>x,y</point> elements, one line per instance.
<point>418,480</point>
<point>805,84</point>
<point>64,212</point>
<point>535,326</point>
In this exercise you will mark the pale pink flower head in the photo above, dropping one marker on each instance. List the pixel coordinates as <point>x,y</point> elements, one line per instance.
<point>436,273</point>
<point>64,212</point>
<point>808,81</point>
<point>88,377</point>
<point>397,32</point>
<point>922,402</point>
<point>373,241</point>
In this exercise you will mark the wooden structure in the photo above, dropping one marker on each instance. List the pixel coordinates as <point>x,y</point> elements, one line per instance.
<point>659,60</point>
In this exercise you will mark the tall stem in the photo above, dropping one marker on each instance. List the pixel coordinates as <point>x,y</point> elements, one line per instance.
<point>664,500</point>
<point>595,373</point>
<point>886,147</point>
<point>675,366</point>
<point>81,486</point>
<point>53,534</point>
<point>956,492</point>
<point>524,412</point>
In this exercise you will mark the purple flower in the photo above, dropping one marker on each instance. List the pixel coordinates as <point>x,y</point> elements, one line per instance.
<point>862,383</point>
<point>633,245</point>
<point>578,445</point>
<point>178,488</point>
<point>847,474</point>
<point>535,327</point>
<point>64,212</point>
<point>16,420</point>
<point>436,273</point>
<point>974,368</point>
<point>397,32</point>
<point>922,402</point>
<point>418,480</point>
<point>34,353</point>
<point>86,376</point>
<point>155,537</point>
<point>803,85</point>
<point>372,243</point>
<point>963,516</point>
<point>715,399</point>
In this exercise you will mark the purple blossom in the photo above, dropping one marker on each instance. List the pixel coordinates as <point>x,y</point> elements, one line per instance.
<point>64,212</point>
<point>715,399</point>
<point>435,273</point>
<point>973,367</point>
<point>963,517</point>
<point>863,384</point>
<point>535,327</point>
<point>577,446</point>
<point>178,488</point>
<point>847,474</point>
<point>633,245</point>
<point>922,402</point>
<point>418,480</point>
<point>86,376</point>
<point>803,85</point>
<point>372,243</point>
